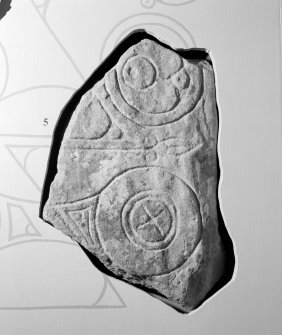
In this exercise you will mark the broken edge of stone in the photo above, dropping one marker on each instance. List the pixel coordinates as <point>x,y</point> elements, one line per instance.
<point>196,54</point>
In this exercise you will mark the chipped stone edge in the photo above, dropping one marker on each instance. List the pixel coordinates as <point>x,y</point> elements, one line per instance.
<point>234,275</point>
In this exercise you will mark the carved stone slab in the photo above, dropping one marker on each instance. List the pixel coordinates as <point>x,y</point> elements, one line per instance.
<point>137,175</point>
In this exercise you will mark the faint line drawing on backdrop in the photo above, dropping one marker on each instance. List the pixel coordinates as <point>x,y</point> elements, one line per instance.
<point>15,232</point>
<point>19,222</point>
<point>28,228</point>
<point>23,148</point>
<point>36,88</point>
<point>151,3</point>
<point>41,8</point>
<point>156,23</point>
<point>4,69</point>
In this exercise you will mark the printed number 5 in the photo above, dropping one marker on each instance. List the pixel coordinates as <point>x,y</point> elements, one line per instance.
<point>45,121</point>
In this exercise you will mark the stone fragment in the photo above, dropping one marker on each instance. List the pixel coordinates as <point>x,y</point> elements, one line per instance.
<point>137,175</point>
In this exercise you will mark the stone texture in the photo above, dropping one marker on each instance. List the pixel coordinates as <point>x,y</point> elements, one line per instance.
<point>137,175</point>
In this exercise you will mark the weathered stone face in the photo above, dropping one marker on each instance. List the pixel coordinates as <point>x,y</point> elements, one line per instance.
<point>137,174</point>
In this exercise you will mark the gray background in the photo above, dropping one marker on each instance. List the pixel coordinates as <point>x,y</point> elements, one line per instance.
<point>47,49</point>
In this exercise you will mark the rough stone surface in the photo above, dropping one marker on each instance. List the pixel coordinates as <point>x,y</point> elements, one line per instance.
<point>137,175</point>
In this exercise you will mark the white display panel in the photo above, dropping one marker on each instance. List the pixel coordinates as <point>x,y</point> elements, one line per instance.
<point>47,50</point>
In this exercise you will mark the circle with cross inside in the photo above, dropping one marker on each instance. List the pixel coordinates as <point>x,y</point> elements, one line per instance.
<point>149,220</point>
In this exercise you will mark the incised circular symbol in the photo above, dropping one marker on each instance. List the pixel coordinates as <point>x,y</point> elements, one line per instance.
<point>149,220</point>
<point>139,73</point>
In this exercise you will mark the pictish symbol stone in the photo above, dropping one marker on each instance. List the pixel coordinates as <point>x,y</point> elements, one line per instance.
<point>137,174</point>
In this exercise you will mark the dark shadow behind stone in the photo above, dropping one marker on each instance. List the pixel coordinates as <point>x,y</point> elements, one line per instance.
<point>58,134</point>
<point>5,6</point>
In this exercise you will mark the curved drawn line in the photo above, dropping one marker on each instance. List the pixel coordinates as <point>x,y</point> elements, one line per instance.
<point>39,6</point>
<point>26,157</point>
<point>94,305</point>
<point>148,5</point>
<point>11,237</point>
<point>33,149</point>
<point>25,136</point>
<point>116,292</point>
<point>60,307</point>
<point>45,9</point>
<point>19,199</point>
<point>10,245</point>
<point>175,4</point>
<point>7,69</point>
<point>21,167</point>
<point>153,24</point>
<point>143,14</point>
<point>102,292</point>
<point>36,88</point>
<point>162,2</point>
<point>31,146</point>
<point>59,43</point>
